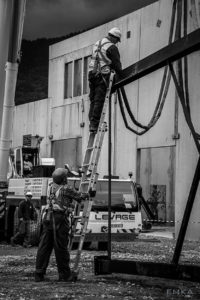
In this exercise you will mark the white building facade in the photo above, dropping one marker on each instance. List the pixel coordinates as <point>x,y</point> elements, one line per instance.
<point>164,159</point>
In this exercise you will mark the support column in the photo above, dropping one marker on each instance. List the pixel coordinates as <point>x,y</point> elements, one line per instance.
<point>5,23</point>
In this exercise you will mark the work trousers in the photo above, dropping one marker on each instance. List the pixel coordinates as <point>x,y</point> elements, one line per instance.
<point>23,233</point>
<point>98,85</point>
<point>47,244</point>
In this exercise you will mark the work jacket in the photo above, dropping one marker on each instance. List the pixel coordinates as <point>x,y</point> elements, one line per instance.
<point>105,56</point>
<point>61,197</point>
<point>26,210</point>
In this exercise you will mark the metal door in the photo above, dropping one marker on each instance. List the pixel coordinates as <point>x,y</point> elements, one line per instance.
<point>156,173</point>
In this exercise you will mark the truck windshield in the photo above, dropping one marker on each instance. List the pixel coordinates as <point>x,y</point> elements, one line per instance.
<point>123,197</point>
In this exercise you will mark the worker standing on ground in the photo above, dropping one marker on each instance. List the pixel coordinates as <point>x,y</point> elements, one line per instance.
<point>105,57</point>
<point>26,213</point>
<point>55,232</point>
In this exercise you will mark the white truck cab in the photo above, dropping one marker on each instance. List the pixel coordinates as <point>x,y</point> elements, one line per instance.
<point>126,216</point>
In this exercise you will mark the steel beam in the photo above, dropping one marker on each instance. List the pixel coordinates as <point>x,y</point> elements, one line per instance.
<point>159,59</point>
<point>104,266</point>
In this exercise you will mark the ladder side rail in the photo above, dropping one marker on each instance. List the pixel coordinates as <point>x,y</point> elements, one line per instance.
<point>107,97</point>
<point>101,122</point>
<point>98,151</point>
<point>82,236</point>
<point>95,154</point>
<point>77,208</point>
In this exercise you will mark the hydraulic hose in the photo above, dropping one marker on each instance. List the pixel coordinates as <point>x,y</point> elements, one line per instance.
<point>181,95</point>
<point>163,89</point>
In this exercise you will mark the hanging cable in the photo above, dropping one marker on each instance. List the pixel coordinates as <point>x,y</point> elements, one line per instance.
<point>185,111</point>
<point>185,58</point>
<point>183,85</point>
<point>123,114</point>
<point>194,10</point>
<point>155,117</point>
<point>163,89</point>
<point>129,109</point>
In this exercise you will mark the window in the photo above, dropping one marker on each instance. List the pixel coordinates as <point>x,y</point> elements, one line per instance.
<point>86,62</point>
<point>77,78</point>
<point>68,81</point>
<point>67,151</point>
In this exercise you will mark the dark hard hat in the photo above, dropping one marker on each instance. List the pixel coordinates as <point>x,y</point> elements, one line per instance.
<point>59,175</point>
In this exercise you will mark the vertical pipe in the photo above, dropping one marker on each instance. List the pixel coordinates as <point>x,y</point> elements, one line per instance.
<point>109,175</point>
<point>7,117</point>
<point>5,23</point>
<point>16,30</point>
<point>115,136</point>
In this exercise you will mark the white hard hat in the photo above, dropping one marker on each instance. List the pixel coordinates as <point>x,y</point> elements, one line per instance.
<point>115,32</point>
<point>29,193</point>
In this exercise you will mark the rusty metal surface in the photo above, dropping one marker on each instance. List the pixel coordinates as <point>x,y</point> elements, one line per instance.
<point>102,265</point>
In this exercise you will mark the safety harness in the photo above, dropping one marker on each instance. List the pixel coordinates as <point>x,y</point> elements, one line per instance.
<point>100,64</point>
<point>50,213</point>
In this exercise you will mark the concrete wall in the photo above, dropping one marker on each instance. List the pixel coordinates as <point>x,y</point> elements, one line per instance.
<point>169,162</point>
<point>33,118</point>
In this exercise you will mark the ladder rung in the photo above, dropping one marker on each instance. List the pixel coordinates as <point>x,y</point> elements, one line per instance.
<point>90,162</point>
<point>90,148</point>
<point>77,217</point>
<point>85,165</point>
<point>85,182</point>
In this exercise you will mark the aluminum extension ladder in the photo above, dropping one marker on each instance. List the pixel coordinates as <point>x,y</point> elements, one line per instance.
<point>88,184</point>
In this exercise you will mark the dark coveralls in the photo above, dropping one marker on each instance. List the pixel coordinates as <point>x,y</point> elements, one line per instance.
<point>62,202</point>
<point>98,84</point>
<point>27,213</point>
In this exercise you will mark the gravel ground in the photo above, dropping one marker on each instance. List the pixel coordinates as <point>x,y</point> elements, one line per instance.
<point>17,269</point>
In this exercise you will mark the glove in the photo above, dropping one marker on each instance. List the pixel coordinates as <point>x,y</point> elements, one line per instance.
<point>84,196</point>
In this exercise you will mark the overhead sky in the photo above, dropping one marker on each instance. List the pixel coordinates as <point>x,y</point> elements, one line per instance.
<point>54,18</point>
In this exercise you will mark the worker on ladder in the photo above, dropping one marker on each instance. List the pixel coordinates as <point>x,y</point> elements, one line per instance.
<point>105,58</point>
<point>55,223</point>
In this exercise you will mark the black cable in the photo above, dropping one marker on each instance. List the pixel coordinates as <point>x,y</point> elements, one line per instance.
<point>155,117</point>
<point>178,19</point>
<point>162,94</point>
<point>123,114</point>
<point>129,110</point>
<point>181,95</point>
<point>186,60</point>
<point>184,84</point>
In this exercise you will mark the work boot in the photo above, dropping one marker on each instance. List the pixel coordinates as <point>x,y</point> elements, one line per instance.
<point>93,129</point>
<point>39,277</point>
<point>71,278</point>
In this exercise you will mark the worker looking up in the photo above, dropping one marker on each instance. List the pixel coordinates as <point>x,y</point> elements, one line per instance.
<point>105,57</point>
<point>55,222</point>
